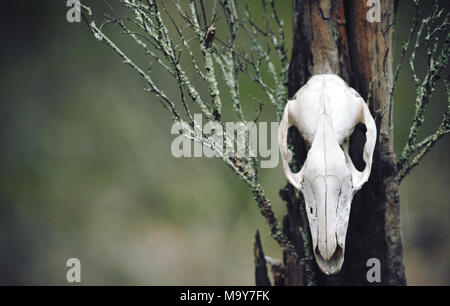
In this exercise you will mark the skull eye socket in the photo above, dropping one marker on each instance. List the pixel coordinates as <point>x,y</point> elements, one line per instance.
<point>299,148</point>
<point>356,147</point>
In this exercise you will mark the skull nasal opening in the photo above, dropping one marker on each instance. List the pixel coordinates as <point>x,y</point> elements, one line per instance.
<point>356,147</point>
<point>333,265</point>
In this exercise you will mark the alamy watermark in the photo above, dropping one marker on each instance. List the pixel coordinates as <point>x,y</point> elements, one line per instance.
<point>73,275</point>
<point>374,273</point>
<point>374,13</point>
<point>238,139</point>
<point>74,13</point>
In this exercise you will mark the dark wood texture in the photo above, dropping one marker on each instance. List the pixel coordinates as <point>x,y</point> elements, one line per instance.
<point>261,277</point>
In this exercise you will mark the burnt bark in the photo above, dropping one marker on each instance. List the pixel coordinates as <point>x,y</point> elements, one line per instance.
<point>335,37</point>
<point>261,277</point>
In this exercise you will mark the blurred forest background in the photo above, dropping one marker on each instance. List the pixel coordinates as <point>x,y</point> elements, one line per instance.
<point>86,170</point>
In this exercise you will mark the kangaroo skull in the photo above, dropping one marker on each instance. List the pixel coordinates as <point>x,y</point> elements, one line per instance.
<point>325,111</point>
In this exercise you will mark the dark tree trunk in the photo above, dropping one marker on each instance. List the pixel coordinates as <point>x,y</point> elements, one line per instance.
<point>332,36</point>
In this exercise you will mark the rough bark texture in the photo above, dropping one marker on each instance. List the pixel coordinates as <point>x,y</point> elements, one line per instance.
<point>333,36</point>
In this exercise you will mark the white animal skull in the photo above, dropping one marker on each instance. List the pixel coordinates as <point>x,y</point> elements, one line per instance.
<point>325,111</point>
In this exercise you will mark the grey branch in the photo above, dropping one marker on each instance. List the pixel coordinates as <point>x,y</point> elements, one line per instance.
<point>427,33</point>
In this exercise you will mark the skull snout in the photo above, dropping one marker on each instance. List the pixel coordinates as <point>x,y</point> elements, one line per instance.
<point>326,190</point>
<point>327,176</point>
<point>324,222</point>
<point>327,233</point>
<point>328,249</point>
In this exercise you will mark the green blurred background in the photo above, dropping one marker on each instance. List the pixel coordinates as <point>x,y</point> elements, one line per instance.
<point>86,170</point>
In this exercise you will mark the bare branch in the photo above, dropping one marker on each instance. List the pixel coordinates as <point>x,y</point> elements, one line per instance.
<point>437,60</point>
<point>149,29</point>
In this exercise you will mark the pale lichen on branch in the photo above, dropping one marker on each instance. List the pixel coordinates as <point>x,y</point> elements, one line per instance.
<point>431,34</point>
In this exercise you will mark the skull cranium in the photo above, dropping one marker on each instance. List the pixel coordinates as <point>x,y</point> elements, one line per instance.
<point>325,111</point>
